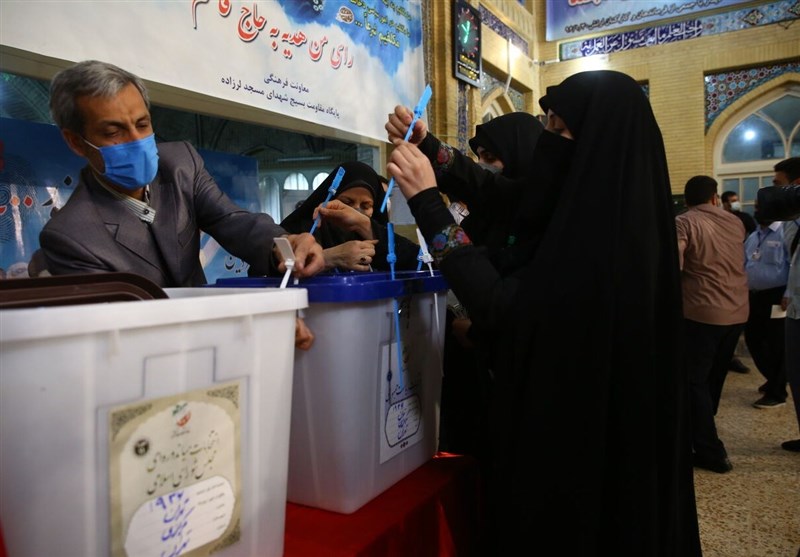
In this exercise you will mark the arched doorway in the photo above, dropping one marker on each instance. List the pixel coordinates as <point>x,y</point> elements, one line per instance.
<point>496,103</point>
<point>763,131</point>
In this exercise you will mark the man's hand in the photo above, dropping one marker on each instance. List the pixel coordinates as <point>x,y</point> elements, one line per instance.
<point>345,217</point>
<point>355,255</point>
<point>303,337</point>
<point>397,126</point>
<point>308,257</point>
<point>785,301</point>
<point>411,169</point>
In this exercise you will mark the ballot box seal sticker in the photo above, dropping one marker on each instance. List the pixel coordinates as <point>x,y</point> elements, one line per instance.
<point>401,400</point>
<point>175,467</point>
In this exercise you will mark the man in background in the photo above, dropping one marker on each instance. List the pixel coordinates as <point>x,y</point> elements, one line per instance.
<point>767,267</point>
<point>715,309</point>
<point>731,203</point>
<point>782,203</point>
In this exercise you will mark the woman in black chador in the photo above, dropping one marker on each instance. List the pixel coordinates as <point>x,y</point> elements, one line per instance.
<point>352,229</point>
<point>591,453</point>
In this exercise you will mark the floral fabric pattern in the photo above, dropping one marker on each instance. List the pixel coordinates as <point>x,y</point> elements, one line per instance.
<point>447,241</point>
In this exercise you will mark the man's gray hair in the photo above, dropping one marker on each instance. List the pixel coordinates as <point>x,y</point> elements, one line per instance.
<point>92,78</point>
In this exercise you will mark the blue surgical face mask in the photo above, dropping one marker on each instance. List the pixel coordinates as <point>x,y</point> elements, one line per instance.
<point>131,165</point>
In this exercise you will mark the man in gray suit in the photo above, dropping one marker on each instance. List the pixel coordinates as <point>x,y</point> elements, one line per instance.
<point>140,207</point>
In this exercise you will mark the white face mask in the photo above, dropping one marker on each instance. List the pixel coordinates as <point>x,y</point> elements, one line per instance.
<point>736,206</point>
<point>490,167</point>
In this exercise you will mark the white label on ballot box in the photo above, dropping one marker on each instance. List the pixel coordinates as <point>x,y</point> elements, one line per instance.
<point>177,523</point>
<point>401,402</point>
<point>174,474</point>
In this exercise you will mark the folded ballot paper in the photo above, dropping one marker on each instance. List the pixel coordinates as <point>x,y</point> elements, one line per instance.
<point>777,312</point>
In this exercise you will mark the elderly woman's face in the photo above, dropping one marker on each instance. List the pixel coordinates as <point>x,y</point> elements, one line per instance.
<point>557,126</point>
<point>359,199</point>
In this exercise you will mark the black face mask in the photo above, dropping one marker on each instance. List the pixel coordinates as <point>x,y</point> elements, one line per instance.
<point>551,157</point>
<point>551,140</point>
<point>760,219</point>
<point>540,191</point>
<point>550,165</point>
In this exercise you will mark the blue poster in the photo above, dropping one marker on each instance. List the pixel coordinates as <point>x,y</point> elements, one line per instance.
<point>38,172</point>
<point>575,18</point>
<point>237,176</point>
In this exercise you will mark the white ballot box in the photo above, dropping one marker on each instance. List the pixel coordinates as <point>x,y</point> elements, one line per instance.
<point>359,426</point>
<point>148,428</point>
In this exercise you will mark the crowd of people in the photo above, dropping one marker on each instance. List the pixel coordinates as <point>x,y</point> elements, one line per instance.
<point>600,344</point>
<point>738,280</point>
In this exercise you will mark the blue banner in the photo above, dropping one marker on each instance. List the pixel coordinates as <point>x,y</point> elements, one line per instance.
<point>574,18</point>
<point>38,173</point>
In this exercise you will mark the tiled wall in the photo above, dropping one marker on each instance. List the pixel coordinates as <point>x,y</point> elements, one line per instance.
<point>737,54</point>
<point>735,20</point>
<point>724,88</point>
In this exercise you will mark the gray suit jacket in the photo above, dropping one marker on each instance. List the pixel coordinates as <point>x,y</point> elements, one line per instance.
<point>94,232</point>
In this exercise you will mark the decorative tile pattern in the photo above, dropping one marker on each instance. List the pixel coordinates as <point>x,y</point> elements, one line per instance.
<point>493,23</point>
<point>517,98</point>
<point>488,85</point>
<point>753,18</point>
<point>461,117</point>
<point>735,20</point>
<point>724,88</point>
<point>427,26</point>
<point>649,36</point>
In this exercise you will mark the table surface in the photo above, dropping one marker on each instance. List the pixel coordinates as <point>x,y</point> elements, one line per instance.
<point>432,511</point>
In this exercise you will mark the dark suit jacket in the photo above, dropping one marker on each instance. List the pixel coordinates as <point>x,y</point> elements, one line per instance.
<point>94,232</point>
<point>748,221</point>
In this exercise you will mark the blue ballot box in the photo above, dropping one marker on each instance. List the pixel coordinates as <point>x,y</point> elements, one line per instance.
<point>359,423</point>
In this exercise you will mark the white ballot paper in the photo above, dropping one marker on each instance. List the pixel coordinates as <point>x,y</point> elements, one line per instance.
<point>777,312</point>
